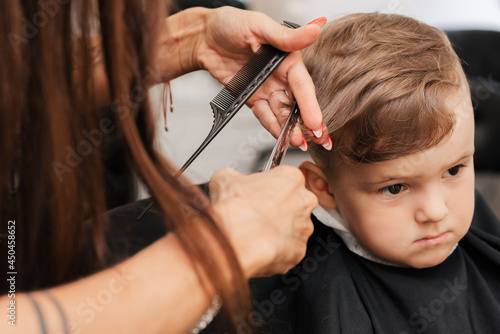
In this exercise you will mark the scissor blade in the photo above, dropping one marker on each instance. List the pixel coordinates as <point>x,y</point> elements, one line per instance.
<point>283,142</point>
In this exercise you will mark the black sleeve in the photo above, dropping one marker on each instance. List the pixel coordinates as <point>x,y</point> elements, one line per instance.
<point>126,236</point>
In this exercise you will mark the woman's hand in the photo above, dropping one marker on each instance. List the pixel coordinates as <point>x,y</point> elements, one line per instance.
<point>266,217</point>
<point>222,40</point>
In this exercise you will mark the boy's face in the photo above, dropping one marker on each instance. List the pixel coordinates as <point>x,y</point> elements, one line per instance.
<point>413,210</point>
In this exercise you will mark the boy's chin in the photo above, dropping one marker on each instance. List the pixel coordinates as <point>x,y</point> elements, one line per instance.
<point>429,260</point>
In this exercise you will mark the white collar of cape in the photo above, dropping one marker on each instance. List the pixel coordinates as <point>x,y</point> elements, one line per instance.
<point>333,219</point>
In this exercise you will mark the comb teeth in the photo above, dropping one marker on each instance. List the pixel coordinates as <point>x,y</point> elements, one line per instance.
<point>265,57</point>
<point>224,99</point>
<point>252,69</point>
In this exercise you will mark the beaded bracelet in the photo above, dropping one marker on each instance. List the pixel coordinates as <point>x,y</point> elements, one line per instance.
<point>209,315</point>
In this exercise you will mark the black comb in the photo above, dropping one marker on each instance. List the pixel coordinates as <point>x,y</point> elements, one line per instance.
<point>237,92</point>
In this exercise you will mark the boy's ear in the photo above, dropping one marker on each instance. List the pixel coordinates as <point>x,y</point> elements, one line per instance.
<point>317,182</point>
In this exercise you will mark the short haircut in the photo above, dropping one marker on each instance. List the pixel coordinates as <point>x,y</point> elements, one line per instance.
<point>382,81</point>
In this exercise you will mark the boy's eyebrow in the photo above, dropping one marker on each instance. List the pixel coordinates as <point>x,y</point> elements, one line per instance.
<point>466,155</point>
<point>384,181</point>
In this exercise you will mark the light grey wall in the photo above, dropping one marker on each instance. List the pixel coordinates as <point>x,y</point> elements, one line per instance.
<point>483,14</point>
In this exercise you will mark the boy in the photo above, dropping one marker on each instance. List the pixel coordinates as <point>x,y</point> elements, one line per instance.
<point>393,249</point>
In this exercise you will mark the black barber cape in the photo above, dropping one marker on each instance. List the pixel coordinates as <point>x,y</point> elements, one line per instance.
<point>336,291</point>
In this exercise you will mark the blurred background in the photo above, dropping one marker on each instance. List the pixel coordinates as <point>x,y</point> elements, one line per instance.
<point>473,26</point>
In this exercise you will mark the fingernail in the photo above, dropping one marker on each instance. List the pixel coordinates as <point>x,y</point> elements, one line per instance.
<point>318,21</point>
<point>318,133</point>
<point>328,145</point>
<point>304,146</point>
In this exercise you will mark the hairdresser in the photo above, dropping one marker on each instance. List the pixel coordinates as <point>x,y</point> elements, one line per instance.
<point>61,63</point>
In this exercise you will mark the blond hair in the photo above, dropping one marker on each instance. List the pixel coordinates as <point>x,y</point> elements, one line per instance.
<point>382,81</point>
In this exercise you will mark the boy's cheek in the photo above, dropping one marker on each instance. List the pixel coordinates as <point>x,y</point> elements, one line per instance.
<point>465,204</point>
<point>374,219</point>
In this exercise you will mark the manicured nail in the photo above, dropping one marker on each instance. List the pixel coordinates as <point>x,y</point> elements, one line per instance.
<point>318,133</point>
<point>328,145</point>
<point>304,146</point>
<point>318,21</point>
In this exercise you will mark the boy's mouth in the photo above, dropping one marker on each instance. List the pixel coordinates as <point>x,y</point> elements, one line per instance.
<point>433,240</point>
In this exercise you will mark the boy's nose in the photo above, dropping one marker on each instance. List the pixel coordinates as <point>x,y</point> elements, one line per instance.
<point>431,206</point>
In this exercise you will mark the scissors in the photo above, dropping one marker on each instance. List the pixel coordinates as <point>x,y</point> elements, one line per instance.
<point>283,142</point>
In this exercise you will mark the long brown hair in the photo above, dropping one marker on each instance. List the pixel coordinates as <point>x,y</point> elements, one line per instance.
<point>382,81</point>
<point>52,173</point>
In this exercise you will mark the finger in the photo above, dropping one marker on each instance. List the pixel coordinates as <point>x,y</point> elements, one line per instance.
<point>310,200</point>
<point>291,173</point>
<point>280,104</point>
<point>272,116</point>
<point>219,182</point>
<point>304,227</point>
<point>305,200</point>
<point>266,117</point>
<point>318,140</point>
<point>288,39</point>
<point>325,140</point>
<point>309,227</point>
<point>303,90</point>
<point>297,139</point>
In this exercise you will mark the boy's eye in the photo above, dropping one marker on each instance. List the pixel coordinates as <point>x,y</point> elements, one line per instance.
<point>392,189</point>
<point>454,170</point>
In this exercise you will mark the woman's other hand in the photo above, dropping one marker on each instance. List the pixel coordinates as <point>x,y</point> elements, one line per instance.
<point>266,217</point>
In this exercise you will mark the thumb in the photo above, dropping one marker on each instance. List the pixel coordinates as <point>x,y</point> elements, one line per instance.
<point>289,39</point>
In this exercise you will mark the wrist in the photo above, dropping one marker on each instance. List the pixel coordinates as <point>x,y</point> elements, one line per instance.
<point>253,255</point>
<point>180,41</point>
